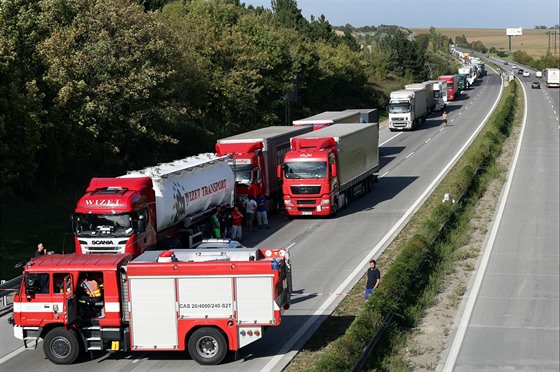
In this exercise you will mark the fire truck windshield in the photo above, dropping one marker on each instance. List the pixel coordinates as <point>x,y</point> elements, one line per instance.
<point>306,169</point>
<point>102,224</point>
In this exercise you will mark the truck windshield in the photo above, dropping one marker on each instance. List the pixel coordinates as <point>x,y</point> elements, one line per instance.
<point>243,173</point>
<point>102,224</point>
<point>399,107</point>
<point>306,169</point>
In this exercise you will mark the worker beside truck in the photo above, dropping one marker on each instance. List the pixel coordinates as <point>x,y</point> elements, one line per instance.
<point>204,301</point>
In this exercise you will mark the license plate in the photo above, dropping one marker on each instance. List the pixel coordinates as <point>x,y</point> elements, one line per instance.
<point>306,213</point>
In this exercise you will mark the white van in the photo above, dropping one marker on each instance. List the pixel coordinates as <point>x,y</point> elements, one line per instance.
<point>538,74</point>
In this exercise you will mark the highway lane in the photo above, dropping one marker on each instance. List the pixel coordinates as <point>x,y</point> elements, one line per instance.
<point>330,255</point>
<point>511,317</point>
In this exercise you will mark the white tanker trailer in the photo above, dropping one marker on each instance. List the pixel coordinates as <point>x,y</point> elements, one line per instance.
<point>167,206</point>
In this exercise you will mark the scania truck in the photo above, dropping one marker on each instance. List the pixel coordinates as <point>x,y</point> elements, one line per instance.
<point>167,205</point>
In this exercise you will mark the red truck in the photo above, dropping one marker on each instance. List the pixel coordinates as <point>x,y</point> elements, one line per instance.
<point>167,206</point>
<point>452,86</point>
<point>254,157</point>
<point>328,167</point>
<point>206,301</point>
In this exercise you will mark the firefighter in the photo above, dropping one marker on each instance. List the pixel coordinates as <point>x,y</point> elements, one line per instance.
<point>93,296</point>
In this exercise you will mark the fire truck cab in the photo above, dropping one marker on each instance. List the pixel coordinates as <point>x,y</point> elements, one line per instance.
<point>204,301</point>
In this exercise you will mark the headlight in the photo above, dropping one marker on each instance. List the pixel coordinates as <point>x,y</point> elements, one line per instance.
<point>325,201</point>
<point>288,202</point>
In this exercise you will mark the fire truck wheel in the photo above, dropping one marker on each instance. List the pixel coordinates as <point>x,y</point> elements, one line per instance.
<point>207,346</point>
<point>61,346</point>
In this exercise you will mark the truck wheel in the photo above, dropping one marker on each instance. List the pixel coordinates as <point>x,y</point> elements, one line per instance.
<point>62,346</point>
<point>207,346</point>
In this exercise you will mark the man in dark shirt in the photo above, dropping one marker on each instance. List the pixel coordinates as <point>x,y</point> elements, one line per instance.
<point>373,278</point>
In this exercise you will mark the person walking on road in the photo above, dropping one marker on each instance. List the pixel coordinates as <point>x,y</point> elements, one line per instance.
<point>250,208</point>
<point>373,279</point>
<point>236,219</point>
<point>444,118</point>
<point>262,217</point>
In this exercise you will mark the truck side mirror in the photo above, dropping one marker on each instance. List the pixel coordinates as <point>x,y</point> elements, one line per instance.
<point>333,170</point>
<point>141,225</point>
<point>279,171</point>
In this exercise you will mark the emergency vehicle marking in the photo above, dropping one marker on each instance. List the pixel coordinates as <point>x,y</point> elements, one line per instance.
<point>36,307</point>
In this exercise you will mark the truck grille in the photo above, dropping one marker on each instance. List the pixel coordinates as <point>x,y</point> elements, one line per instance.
<point>298,190</point>
<point>305,202</point>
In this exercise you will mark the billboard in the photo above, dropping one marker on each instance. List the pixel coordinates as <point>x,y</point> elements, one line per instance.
<point>514,31</point>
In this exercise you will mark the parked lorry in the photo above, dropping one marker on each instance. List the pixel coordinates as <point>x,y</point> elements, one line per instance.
<point>407,109</point>
<point>328,167</point>
<point>429,88</point>
<point>254,158</point>
<point>167,206</point>
<point>470,73</point>
<point>463,82</point>
<point>329,118</point>
<point>552,77</point>
<point>206,301</point>
<point>439,89</point>
<point>452,86</point>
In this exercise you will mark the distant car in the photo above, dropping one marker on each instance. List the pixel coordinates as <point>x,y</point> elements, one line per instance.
<point>520,71</point>
<point>526,73</point>
<point>536,85</point>
<point>513,66</point>
<point>219,244</point>
<point>506,63</point>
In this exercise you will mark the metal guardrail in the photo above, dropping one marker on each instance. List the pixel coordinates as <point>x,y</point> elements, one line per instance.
<point>7,288</point>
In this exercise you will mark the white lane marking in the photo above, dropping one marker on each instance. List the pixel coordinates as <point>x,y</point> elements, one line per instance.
<point>428,140</point>
<point>384,174</point>
<point>359,270</point>
<point>12,355</point>
<point>409,155</point>
<point>390,139</point>
<point>458,340</point>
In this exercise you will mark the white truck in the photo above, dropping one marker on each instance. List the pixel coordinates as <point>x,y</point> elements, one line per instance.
<point>439,89</point>
<point>552,76</point>
<point>470,72</point>
<point>407,109</point>
<point>328,118</point>
<point>429,88</point>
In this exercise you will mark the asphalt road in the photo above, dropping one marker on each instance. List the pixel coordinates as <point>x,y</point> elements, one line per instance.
<point>511,313</point>
<point>329,255</point>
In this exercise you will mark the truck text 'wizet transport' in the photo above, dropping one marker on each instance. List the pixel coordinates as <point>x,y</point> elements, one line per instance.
<point>206,301</point>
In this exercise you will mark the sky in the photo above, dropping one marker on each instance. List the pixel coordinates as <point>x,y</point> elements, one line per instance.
<point>424,14</point>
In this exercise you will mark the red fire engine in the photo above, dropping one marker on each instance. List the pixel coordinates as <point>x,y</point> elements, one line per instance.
<point>206,301</point>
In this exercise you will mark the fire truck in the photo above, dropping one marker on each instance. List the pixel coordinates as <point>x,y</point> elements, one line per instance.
<point>206,301</point>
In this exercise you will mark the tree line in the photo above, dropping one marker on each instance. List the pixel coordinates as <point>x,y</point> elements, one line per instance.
<point>95,88</point>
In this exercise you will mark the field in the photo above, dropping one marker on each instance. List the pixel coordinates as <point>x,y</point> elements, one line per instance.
<point>534,42</point>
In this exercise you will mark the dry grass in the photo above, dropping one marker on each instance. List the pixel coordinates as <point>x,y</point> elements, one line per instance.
<point>534,42</point>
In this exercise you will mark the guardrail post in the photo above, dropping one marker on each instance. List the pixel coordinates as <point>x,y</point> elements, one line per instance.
<point>4,298</point>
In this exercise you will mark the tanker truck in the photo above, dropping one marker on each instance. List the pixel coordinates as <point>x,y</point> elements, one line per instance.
<point>255,155</point>
<point>165,206</point>
<point>327,168</point>
<point>407,109</point>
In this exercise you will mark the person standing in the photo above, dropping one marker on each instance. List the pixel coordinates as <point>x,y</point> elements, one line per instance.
<point>262,217</point>
<point>40,250</point>
<point>444,118</point>
<point>215,224</point>
<point>236,219</point>
<point>250,208</point>
<point>373,279</point>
